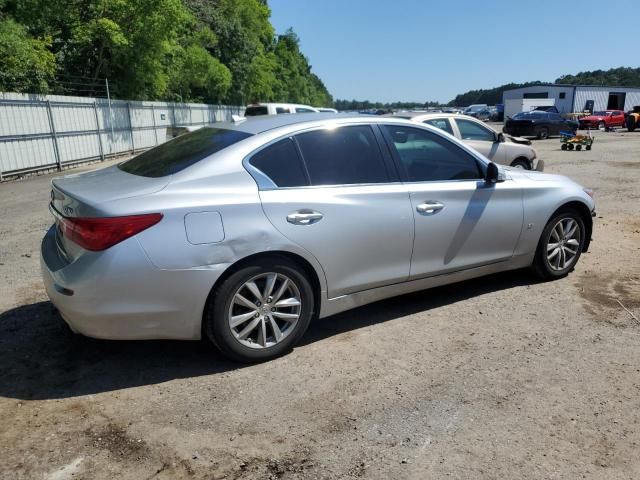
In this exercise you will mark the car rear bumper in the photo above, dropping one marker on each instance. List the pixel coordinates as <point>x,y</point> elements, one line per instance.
<point>118,294</point>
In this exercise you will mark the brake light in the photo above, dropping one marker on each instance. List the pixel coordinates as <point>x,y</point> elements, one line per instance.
<point>97,234</point>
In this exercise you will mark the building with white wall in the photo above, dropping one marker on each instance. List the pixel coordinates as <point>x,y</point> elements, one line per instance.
<point>578,98</point>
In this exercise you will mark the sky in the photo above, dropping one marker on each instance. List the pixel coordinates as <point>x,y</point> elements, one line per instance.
<point>424,50</point>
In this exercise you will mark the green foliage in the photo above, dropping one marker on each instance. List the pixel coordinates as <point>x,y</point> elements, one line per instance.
<point>26,64</point>
<point>367,105</point>
<point>615,77</point>
<point>181,50</point>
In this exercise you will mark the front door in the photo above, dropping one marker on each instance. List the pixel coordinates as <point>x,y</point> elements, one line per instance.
<point>460,220</point>
<point>347,211</point>
<point>480,138</point>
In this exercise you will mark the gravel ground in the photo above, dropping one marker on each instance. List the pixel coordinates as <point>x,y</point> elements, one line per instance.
<point>500,377</point>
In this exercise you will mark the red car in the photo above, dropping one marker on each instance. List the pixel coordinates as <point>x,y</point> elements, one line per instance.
<point>603,120</point>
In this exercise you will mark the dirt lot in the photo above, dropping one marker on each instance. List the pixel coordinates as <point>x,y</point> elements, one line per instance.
<point>501,377</point>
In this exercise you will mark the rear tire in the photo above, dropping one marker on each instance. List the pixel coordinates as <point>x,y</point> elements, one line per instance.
<point>521,163</point>
<point>558,249</point>
<point>264,341</point>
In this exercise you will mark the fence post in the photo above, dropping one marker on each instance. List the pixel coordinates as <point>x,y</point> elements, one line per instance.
<point>98,132</point>
<point>133,144</point>
<point>52,127</point>
<point>153,117</point>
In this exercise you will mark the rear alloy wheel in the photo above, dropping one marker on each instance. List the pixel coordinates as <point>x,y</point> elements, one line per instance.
<point>543,133</point>
<point>560,245</point>
<point>260,311</point>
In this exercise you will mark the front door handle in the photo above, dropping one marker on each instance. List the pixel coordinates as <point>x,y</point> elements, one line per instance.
<point>429,207</point>
<point>304,217</point>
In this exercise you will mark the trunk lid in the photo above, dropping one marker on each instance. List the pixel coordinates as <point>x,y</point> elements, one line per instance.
<point>81,195</point>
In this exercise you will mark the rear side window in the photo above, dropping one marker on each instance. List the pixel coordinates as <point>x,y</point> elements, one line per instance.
<point>182,152</point>
<point>280,110</point>
<point>303,110</point>
<point>281,163</point>
<point>343,156</point>
<point>427,157</point>
<point>255,111</point>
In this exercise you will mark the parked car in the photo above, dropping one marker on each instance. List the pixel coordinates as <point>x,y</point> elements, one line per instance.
<point>497,147</point>
<point>603,120</point>
<point>243,232</point>
<point>258,109</point>
<point>471,109</point>
<point>538,124</point>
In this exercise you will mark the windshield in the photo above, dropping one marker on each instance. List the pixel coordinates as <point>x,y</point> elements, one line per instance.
<point>475,108</point>
<point>182,152</point>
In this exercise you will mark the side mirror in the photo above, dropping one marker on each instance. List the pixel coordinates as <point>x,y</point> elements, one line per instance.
<point>493,173</point>
<point>499,137</point>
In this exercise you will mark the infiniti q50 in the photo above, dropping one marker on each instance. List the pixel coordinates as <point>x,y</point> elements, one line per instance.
<point>243,232</point>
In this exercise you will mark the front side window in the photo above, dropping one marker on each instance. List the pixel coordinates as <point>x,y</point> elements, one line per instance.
<point>441,123</point>
<point>281,163</point>
<point>255,111</point>
<point>472,131</point>
<point>343,156</point>
<point>181,152</point>
<point>427,157</point>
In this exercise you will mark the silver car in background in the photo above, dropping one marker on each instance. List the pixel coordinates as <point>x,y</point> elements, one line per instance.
<point>496,146</point>
<point>243,232</point>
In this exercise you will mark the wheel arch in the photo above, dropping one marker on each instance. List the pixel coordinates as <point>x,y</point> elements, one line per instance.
<point>585,214</point>
<point>303,263</point>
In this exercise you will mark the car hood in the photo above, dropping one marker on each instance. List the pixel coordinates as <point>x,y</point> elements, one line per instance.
<point>517,173</point>
<point>592,117</point>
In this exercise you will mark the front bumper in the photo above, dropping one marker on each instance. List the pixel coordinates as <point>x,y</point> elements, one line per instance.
<point>118,294</point>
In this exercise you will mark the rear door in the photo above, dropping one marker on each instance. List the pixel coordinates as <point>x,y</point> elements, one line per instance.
<point>336,194</point>
<point>480,138</point>
<point>617,118</point>
<point>460,220</point>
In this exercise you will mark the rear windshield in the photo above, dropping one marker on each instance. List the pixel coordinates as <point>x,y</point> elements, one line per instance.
<point>254,111</point>
<point>182,152</point>
<point>529,115</point>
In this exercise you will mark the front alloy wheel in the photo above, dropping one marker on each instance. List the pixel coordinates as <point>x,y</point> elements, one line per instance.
<point>563,244</point>
<point>560,245</point>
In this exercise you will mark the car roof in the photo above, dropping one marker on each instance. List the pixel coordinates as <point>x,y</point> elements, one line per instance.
<point>264,123</point>
<point>426,116</point>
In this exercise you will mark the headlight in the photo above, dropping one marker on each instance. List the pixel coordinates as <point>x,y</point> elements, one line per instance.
<point>589,192</point>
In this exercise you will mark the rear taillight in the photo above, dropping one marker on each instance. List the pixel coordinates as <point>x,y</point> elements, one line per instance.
<point>101,233</point>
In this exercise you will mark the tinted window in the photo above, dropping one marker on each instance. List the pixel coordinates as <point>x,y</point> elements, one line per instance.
<point>280,110</point>
<point>182,152</point>
<point>303,110</point>
<point>254,111</point>
<point>281,163</point>
<point>441,123</point>
<point>472,131</point>
<point>428,157</point>
<point>344,155</point>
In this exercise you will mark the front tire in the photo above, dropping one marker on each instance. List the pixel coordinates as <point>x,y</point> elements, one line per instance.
<point>260,311</point>
<point>560,245</point>
<point>543,133</point>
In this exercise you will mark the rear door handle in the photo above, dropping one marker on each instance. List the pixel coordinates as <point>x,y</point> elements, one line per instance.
<point>304,217</point>
<point>429,207</point>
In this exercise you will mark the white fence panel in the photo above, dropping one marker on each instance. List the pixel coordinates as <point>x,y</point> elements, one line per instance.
<point>41,132</point>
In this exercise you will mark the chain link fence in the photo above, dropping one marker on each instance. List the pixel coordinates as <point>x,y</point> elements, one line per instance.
<point>53,132</point>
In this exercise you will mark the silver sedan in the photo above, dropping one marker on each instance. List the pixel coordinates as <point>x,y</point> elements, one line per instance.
<point>241,233</point>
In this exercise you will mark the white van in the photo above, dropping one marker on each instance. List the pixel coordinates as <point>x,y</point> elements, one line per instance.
<point>256,109</point>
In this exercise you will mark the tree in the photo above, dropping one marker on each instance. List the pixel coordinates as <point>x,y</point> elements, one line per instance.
<point>26,64</point>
